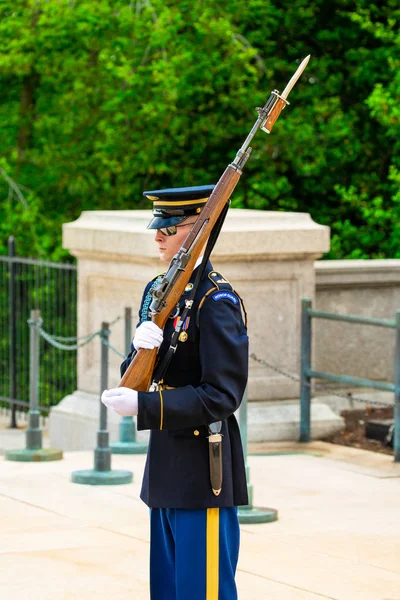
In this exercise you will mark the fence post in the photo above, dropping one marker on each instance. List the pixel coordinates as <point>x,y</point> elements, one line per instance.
<point>102,474</point>
<point>33,450</point>
<point>102,454</point>
<point>34,433</point>
<point>249,514</point>
<point>396,433</point>
<point>13,331</point>
<point>305,383</point>
<point>127,429</point>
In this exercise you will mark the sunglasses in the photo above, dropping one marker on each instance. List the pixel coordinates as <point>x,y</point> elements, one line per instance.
<point>173,229</point>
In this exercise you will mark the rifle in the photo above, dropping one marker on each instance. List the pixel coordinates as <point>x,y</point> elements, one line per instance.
<point>168,291</point>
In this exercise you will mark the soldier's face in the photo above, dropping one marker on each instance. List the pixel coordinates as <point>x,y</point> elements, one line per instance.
<point>168,245</point>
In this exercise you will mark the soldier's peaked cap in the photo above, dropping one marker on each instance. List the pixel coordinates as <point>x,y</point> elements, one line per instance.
<point>173,205</point>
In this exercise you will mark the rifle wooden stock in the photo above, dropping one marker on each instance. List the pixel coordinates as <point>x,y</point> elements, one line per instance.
<point>138,375</point>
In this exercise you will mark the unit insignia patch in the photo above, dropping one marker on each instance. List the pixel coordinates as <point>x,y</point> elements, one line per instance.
<point>225,296</point>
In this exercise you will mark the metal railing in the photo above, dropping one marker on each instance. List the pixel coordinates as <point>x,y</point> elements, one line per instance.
<point>307,372</point>
<point>50,287</point>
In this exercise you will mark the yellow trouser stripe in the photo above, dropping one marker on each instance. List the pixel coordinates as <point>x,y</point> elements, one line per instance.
<point>212,541</point>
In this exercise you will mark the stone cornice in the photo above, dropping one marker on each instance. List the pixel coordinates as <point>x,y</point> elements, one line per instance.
<point>357,273</point>
<point>248,234</point>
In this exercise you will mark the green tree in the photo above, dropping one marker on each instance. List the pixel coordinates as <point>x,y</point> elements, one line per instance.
<point>102,100</point>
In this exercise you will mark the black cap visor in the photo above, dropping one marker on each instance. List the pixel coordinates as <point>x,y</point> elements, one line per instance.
<point>161,222</point>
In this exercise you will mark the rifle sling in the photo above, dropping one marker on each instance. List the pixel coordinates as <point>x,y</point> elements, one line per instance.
<point>161,368</point>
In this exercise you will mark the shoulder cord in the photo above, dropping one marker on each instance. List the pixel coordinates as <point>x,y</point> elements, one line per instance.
<point>162,367</point>
<point>144,311</point>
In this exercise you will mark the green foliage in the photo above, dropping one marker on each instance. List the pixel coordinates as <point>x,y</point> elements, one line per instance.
<point>102,100</point>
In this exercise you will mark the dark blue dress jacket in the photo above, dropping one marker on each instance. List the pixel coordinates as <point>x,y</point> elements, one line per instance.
<point>209,373</point>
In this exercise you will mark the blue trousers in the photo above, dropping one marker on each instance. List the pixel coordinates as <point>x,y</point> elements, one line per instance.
<point>193,553</point>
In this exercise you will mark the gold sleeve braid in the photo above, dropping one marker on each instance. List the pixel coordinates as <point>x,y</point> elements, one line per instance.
<point>161,408</point>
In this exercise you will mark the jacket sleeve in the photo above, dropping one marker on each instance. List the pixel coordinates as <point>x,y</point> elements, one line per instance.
<point>224,368</point>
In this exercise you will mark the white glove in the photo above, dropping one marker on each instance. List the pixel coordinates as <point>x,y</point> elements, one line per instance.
<point>123,401</point>
<point>148,335</point>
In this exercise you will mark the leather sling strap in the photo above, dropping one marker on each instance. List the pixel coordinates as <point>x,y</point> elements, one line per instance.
<point>161,368</point>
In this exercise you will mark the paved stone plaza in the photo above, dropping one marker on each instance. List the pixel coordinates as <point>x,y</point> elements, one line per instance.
<point>337,537</point>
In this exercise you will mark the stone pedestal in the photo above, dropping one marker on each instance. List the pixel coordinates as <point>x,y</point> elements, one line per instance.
<point>267,256</point>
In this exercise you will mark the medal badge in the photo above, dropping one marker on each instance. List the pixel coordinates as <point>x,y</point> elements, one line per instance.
<point>183,336</point>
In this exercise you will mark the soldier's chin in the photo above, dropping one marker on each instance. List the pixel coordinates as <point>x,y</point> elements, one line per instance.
<point>163,255</point>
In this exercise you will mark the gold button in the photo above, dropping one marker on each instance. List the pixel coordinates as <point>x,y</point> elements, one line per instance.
<point>196,432</point>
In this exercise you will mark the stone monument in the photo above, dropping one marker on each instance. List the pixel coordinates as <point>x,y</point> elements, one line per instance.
<point>268,256</point>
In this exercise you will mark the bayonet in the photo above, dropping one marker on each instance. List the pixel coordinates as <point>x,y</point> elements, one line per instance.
<point>295,77</point>
<point>268,114</point>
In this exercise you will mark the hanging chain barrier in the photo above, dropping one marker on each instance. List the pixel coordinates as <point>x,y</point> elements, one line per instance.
<point>324,388</point>
<point>66,344</point>
<point>86,338</point>
<point>117,352</point>
<point>58,341</point>
<point>304,380</point>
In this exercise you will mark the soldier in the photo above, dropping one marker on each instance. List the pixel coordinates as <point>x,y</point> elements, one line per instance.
<point>193,520</point>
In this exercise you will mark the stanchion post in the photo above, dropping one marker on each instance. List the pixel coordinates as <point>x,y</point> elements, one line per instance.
<point>102,474</point>
<point>243,435</point>
<point>33,452</point>
<point>396,433</point>
<point>102,454</point>
<point>305,382</point>
<point>34,433</point>
<point>128,328</point>
<point>249,514</point>
<point>13,331</point>
<point>127,443</point>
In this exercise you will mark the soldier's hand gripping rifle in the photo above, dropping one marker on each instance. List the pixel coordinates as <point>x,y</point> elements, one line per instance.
<point>167,293</point>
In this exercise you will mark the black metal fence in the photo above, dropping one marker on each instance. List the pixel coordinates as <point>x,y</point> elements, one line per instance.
<point>50,287</point>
